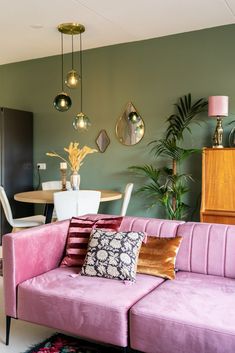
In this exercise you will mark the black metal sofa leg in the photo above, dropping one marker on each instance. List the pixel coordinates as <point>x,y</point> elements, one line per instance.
<point>8,328</point>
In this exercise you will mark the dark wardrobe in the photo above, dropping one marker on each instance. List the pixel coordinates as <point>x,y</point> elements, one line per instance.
<point>16,160</point>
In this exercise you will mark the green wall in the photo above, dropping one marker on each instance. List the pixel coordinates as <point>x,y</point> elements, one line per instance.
<point>152,74</point>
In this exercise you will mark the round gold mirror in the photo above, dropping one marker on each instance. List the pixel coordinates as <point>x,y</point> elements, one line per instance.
<point>130,126</point>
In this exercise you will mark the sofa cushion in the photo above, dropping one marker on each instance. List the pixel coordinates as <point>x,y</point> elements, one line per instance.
<point>112,254</point>
<point>192,313</point>
<point>90,307</point>
<point>78,236</point>
<point>157,257</point>
<point>207,248</point>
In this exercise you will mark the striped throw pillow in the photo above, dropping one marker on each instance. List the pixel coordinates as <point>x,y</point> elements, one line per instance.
<point>78,236</point>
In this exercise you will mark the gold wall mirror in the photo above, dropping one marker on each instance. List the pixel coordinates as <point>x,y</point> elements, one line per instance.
<point>130,126</point>
<point>102,141</point>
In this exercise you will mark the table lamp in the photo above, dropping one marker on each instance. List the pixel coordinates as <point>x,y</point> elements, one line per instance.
<point>218,107</point>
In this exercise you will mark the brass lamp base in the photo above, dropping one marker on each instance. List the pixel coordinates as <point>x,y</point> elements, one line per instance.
<point>218,134</point>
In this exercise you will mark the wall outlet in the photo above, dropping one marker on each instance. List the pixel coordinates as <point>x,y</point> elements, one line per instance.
<point>42,166</point>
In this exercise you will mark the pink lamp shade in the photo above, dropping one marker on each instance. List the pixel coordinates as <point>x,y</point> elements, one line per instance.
<point>218,106</point>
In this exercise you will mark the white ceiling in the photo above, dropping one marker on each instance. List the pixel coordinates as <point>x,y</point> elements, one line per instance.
<point>28,27</point>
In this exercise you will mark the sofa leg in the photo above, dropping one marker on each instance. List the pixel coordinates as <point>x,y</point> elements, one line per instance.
<point>8,327</point>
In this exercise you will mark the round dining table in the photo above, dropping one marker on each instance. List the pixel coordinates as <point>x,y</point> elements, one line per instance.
<point>47,197</point>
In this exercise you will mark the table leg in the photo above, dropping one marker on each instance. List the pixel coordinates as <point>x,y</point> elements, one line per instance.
<point>48,212</point>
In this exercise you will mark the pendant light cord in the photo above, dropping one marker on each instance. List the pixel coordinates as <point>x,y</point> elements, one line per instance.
<point>62,62</point>
<point>72,52</point>
<point>81,67</point>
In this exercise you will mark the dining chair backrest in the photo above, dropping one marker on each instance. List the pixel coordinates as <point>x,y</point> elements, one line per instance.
<point>76,203</point>
<point>6,206</point>
<point>54,185</point>
<point>126,198</point>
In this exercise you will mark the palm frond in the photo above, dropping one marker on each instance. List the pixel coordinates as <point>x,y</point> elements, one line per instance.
<point>168,148</point>
<point>185,112</point>
<point>146,170</point>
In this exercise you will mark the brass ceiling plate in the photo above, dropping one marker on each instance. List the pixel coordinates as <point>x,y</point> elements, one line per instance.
<point>71,28</point>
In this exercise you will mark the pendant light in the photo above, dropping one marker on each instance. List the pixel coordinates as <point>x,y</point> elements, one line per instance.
<point>72,78</point>
<point>81,122</point>
<point>62,101</point>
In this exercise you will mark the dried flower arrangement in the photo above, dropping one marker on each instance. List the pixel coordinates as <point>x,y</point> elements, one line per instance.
<point>75,155</point>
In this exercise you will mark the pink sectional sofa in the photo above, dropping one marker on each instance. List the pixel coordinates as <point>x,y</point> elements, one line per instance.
<point>194,313</point>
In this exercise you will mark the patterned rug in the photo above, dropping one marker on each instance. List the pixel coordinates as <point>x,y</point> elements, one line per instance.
<point>59,343</point>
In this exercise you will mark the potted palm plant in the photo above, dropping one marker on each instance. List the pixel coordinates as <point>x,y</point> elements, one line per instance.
<point>167,186</point>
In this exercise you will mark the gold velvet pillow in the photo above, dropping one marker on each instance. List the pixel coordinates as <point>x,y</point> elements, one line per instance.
<point>157,257</point>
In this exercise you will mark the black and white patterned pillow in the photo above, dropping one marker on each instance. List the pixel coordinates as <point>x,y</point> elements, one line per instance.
<point>112,254</point>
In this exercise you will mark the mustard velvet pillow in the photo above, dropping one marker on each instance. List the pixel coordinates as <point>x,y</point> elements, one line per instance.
<point>157,257</point>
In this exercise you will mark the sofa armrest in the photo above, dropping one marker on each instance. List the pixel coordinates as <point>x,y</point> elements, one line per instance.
<point>29,253</point>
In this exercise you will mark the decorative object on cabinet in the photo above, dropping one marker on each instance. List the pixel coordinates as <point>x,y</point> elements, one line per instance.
<point>130,126</point>
<point>102,141</point>
<point>218,186</point>
<point>218,108</point>
<point>231,136</point>
<point>16,162</point>
<point>166,186</point>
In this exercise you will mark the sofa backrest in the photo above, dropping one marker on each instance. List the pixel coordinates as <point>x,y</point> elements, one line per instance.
<point>151,226</point>
<point>207,248</point>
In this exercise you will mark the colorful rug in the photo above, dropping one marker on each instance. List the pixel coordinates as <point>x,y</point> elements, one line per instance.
<point>59,343</point>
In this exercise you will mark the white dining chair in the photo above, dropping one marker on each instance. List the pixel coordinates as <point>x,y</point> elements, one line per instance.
<point>126,198</point>
<point>76,203</point>
<point>18,223</point>
<point>54,185</point>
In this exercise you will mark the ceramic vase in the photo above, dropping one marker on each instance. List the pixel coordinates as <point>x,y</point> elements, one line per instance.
<point>75,180</point>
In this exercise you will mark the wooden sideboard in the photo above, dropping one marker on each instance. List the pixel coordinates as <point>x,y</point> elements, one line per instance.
<point>218,185</point>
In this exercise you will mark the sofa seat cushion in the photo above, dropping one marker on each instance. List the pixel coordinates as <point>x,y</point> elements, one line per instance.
<point>193,313</point>
<point>90,307</point>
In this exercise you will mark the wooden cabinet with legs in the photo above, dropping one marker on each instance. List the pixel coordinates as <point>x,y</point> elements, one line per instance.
<point>218,185</point>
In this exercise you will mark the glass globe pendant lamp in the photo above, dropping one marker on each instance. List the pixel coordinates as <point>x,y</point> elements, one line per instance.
<point>72,78</point>
<point>81,122</point>
<point>62,101</point>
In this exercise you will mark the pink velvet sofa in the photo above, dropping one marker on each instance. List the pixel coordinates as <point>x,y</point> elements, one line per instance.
<point>194,313</point>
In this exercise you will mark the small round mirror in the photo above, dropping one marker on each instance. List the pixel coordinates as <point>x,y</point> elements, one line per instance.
<point>130,126</point>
